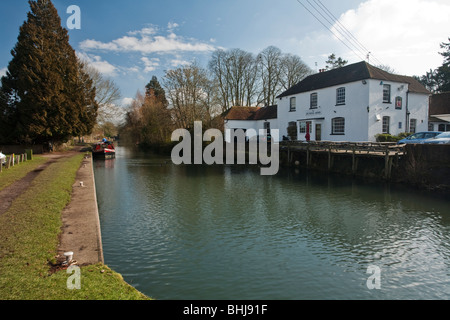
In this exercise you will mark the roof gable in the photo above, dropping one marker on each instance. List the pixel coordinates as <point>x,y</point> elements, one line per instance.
<point>351,73</point>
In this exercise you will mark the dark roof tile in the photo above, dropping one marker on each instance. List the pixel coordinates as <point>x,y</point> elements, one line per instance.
<point>252,113</point>
<point>351,73</point>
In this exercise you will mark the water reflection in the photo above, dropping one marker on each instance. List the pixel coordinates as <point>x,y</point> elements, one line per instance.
<point>225,232</point>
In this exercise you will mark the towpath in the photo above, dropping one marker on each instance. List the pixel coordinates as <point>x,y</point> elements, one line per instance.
<point>80,231</point>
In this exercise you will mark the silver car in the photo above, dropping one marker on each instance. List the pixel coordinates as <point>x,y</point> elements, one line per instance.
<point>443,138</point>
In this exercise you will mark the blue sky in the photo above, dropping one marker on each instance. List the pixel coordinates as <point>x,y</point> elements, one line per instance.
<point>130,41</point>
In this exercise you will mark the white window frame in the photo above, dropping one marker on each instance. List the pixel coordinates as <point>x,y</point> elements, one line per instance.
<point>386,93</point>
<point>386,125</point>
<point>303,125</point>
<point>340,96</point>
<point>314,100</point>
<point>293,104</point>
<point>338,126</point>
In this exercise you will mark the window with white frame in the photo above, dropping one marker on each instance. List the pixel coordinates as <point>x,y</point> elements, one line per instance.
<point>303,125</point>
<point>338,126</point>
<point>314,101</point>
<point>293,105</point>
<point>340,96</point>
<point>387,93</point>
<point>386,125</point>
<point>412,125</point>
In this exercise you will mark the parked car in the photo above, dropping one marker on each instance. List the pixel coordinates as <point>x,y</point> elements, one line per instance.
<point>443,138</point>
<point>419,137</point>
<point>2,159</point>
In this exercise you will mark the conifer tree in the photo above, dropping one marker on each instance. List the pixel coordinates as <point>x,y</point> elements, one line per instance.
<point>154,90</point>
<point>45,96</point>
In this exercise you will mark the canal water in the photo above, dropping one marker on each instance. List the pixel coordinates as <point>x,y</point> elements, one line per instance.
<point>228,233</point>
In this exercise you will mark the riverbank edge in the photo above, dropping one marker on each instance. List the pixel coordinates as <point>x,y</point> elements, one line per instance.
<point>90,191</point>
<point>81,231</point>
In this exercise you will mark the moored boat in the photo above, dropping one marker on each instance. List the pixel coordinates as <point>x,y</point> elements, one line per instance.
<point>104,149</point>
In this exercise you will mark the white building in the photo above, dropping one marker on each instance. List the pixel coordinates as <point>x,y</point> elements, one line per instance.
<point>353,103</point>
<point>247,118</point>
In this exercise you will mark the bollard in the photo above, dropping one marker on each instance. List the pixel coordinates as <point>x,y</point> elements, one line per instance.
<point>29,153</point>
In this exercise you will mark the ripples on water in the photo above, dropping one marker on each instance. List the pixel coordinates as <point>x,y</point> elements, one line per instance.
<point>192,232</point>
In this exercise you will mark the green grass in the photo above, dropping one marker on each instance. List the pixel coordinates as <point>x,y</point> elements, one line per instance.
<point>9,176</point>
<point>29,239</point>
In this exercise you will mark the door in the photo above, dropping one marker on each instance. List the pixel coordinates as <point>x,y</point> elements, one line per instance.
<point>318,132</point>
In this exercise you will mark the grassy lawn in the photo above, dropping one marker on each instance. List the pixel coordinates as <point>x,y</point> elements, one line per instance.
<point>29,239</point>
<point>8,176</point>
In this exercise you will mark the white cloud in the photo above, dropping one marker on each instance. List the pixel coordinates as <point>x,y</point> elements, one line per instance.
<point>179,62</point>
<point>144,31</point>
<point>146,42</point>
<point>150,64</point>
<point>404,34</point>
<point>172,25</point>
<point>3,72</point>
<point>102,66</point>
<point>127,102</point>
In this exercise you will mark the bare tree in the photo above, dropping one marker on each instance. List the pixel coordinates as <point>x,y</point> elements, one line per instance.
<point>188,90</point>
<point>107,94</point>
<point>293,70</point>
<point>235,72</point>
<point>270,72</point>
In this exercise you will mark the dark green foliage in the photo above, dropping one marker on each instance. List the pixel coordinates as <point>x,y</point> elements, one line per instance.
<point>154,90</point>
<point>44,95</point>
<point>438,80</point>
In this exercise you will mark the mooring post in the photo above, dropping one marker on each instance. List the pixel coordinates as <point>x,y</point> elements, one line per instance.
<point>307,156</point>
<point>329,157</point>
<point>386,164</point>
<point>289,156</point>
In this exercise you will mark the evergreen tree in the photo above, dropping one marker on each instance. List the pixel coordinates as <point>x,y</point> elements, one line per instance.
<point>443,72</point>
<point>334,63</point>
<point>44,95</point>
<point>154,90</point>
<point>438,80</point>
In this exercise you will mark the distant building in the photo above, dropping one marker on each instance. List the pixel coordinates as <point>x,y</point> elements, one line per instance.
<point>353,103</point>
<point>246,118</point>
<point>439,112</point>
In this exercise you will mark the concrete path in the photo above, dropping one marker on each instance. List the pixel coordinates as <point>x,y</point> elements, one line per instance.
<point>81,225</point>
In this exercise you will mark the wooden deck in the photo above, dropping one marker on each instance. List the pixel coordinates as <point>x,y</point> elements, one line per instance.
<point>389,151</point>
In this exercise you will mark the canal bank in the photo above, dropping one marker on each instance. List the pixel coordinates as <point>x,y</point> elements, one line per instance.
<point>30,236</point>
<point>81,225</point>
<point>423,166</point>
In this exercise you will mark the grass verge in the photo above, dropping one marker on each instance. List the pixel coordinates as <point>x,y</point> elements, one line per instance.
<point>9,176</point>
<point>29,239</point>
